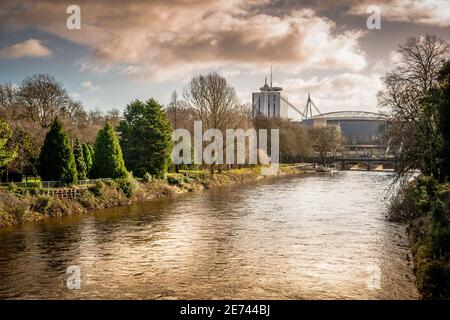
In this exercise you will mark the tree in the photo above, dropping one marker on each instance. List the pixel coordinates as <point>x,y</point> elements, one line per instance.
<point>295,143</point>
<point>79,160</point>
<point>43,98</point>
<point>326,140</point>
<point>108,161</point>
<point>412,120</point>
<point>27,147</point>
<point>213,101</point>
<point>6,155</point>
<point>444,120</point>
<point>145,138</point>
<point>437,100</point>
<point>56,160</point>
<point>87,155</point>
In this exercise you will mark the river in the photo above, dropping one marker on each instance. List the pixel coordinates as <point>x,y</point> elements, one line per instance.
<point>304,237</point>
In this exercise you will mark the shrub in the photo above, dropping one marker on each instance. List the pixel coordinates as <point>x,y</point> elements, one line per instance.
<point>147,178</point>
<point>432,280</point>
<point>42,204</point>
<point>127,186</point>
<point>97,189</point>
<point>175,180</point>
<point>12,187</point>
<point>424,192</point>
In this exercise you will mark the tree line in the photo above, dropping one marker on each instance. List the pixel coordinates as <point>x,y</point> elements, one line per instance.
<point>46,133</point>
<point>417,99</point>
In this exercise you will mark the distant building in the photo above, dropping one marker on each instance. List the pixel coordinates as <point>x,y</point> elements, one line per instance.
<point>269,102</point>
<point>361,131</point>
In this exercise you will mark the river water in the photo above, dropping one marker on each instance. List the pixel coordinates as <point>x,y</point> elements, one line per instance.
<point>309,237</point>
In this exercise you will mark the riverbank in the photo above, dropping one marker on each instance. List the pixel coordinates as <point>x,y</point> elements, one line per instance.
<point>18,207</point>
<point>424,206</point>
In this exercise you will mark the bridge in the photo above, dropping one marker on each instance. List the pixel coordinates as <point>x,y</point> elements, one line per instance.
<point>367,163</point>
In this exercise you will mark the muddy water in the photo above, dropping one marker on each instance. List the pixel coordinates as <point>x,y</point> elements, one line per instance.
<point>311,237</point>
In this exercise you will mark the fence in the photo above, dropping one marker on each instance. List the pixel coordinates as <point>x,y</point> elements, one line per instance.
<point>51,184</point>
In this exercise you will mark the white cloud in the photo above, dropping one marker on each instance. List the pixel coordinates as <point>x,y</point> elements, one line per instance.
<point>88,85</point>
<point>162,40</point>
<point>28,48</point>
<point>426,12</point>
<point>93,66</point>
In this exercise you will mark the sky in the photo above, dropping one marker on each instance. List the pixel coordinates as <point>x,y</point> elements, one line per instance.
<point>138,49</point>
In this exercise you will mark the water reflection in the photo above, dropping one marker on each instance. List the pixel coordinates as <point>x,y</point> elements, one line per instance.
<point>305,237</point>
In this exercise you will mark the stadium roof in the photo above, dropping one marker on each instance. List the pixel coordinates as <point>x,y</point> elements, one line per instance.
<point>351,115</point>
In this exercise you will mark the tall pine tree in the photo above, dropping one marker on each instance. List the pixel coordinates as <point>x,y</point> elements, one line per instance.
<point>87,155</point>
<point>146,138</point>
<point>108,161</point>
<point>56,161</point>
<point>79,160</point>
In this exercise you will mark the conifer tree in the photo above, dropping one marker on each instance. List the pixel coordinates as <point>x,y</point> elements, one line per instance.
<point>145,138</point>
<point>79,160</point>
<point>108,161</point>
<point>56,160</point>
<point>87,158</point>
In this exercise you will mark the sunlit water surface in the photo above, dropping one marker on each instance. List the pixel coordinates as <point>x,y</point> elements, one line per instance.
<point>311,237</point>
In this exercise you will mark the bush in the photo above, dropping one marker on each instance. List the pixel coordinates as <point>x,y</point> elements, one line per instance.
<point>12,187</point>
<point>97,189</point>
<point>127,186</point>
<point>440,232</point>
<point>43,204</point>
<point>425,192</point>
<point>147,178</point>
<point>433,281</point>
<point>175,180</point>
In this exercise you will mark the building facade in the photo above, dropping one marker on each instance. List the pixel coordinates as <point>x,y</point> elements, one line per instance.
<point>269,102</point>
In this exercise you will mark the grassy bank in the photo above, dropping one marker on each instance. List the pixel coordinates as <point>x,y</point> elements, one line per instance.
<point>424,205</point>
<point>19,206</point>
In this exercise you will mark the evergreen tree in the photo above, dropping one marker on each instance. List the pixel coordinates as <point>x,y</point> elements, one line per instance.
<point>79,160</point>
<point>108,161</point>
<point>6,155</point>
<point>91,149</point>
<point>87,158</point>
<point>146,138</point>
<point>56,161</point>
<point>444,120</point>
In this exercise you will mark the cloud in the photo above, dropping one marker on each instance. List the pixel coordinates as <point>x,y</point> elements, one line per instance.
<point>88,85</point>
<point>162,40</point>
<point>93,66</point>
<point>426,12</point>
<point>29,48</point>
<point>343,91</point>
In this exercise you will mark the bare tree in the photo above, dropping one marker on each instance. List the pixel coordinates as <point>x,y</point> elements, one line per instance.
<point>326,141</point>
<point>213,101</point>
<point>43,98</point>
<point>295,142</point>
<point>411,130</point>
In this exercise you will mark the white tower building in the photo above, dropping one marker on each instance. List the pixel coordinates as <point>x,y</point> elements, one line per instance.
<point>269,102</point>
